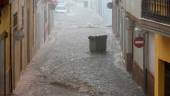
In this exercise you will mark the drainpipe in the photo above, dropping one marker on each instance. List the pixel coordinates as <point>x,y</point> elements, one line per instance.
<point>145,65</point>
<point>10,38</point>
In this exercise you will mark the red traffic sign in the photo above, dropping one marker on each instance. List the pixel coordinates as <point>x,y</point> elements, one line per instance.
<point>139,42</point>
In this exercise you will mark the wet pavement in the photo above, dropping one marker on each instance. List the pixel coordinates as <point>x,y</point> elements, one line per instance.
<point>65,67</point>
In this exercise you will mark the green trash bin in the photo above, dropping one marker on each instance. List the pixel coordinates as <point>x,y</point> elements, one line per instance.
<point>98,43</point>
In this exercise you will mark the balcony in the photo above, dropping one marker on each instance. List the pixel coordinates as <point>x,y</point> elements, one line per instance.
<point>157,10</point>
<point>3,2</point>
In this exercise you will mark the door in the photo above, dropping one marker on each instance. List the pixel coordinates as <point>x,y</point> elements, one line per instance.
<point>5,88</point>
<point>28,37</point>
<point>167,79</point>
<point>16,50</point>
<point>2,65</point>
<point>130,34</point>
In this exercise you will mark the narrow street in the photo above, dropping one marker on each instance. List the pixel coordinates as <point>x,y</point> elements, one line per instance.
<point>65,66</point>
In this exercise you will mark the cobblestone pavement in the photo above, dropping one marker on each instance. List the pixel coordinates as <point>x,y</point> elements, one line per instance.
<point>65,67</point>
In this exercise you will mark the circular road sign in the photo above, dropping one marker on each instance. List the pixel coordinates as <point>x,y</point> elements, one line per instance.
<point>139,42</point>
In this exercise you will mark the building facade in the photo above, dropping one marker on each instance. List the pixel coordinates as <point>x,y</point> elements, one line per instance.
<point>143,29</point>
<point>105,10</point>
<point>101,7</point>
<point>5,48</point>
<point>18,38</point>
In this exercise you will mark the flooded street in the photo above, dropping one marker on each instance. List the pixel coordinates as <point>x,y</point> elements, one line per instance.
<point>65,66</point>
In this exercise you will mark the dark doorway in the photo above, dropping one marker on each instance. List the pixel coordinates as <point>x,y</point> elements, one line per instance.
<point>16,51</point>
<point>167,79</point>
<point>28,36</point>
<point>2,67</point>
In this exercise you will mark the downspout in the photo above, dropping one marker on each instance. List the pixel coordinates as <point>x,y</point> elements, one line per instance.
<point>146,57</point>
<point>146,65</point>
<point>10,11</point>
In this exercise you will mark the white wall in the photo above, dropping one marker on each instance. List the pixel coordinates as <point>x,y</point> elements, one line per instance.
<point>138,53</point>
<point>100,7</point>
<point>133,7</point>
<point>151,52</point>
<point>40,24</point>
<point>94,4</point>
<point>105,12</point>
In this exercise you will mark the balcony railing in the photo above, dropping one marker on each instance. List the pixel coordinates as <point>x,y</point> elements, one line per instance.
<point>157,10</point>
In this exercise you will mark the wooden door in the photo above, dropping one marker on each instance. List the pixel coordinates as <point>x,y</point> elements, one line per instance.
<point>28,37</point>
<point>2,65</point>
<point>5,85</point>
<point>5,53</point>
<point>167,79</point>
<point>16,50</point>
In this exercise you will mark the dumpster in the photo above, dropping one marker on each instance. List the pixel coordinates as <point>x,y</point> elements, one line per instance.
<point>98,43</point>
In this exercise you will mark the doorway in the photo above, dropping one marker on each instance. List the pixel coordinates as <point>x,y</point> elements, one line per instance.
<point>164,78</point>
<point>2,66</point>
<point>167,79</point>
<point>16,51</point>
<point>28,37</point>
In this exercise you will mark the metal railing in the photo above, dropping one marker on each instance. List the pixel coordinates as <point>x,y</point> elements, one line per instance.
<point>157,10</point>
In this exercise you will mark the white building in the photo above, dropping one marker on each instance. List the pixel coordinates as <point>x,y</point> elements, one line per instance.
<point>105,11</point>
<point>101,7</point>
